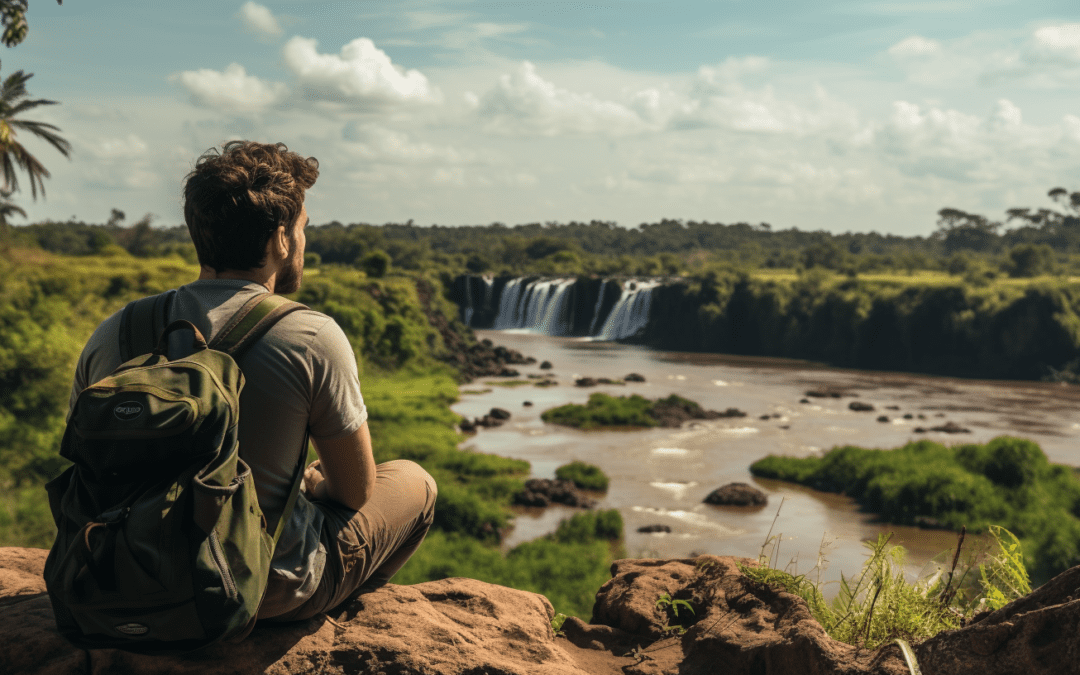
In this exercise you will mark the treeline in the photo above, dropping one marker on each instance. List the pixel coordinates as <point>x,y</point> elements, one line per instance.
<point>1039,241</point>
<point>50,304</point>
<point>1005,330</point>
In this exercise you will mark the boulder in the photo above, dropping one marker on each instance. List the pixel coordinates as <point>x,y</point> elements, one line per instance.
<point>859,406</point>
<point>508,372</point>
<point>737,494</point>
<point>447,627</point>
<point>499,414</point>
<point>737,626</point>
<point>1036,634</point>
<point>545,491</point>
<point>526,403</point>
<point>545,365</point>
<point>634,377</point>
<point>883,418</point>
<point>649,529</point>
<point>586,382</point>
<point>467,426</point>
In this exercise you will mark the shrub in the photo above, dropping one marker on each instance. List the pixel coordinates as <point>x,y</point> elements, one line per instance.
<point>585,476</point>
<point>1006,482</point>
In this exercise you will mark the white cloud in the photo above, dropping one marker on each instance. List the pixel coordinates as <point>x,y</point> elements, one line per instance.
<point>967,148</point>
<point>522,102</point>
<point>362,74</point>
<point>232,91</point>
<point>1058,41</point>
<point>719,98</point>
<point>375,143</point>
<point>128,147</point>
<point>260,21</point>
<point>489,30</point>
<point>915,46</point>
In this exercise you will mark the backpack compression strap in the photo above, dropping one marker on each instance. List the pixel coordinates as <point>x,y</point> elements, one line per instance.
<point>142,322</point>
<point>249,324</point>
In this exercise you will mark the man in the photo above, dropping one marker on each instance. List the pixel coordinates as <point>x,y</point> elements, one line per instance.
<point>357,523</point>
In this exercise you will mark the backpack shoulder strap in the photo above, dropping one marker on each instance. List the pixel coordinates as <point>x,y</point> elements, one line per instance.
<point>250,323</point>
<point>142,322</point>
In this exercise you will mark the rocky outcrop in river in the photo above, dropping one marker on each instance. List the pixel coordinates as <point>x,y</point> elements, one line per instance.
<point>468,627</point>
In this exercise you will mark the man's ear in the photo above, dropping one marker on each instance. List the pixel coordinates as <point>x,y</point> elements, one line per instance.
<point>279,243</point>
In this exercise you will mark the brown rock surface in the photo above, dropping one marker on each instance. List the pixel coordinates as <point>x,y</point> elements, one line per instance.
<point>1039,633</point>
<point>468,627</point>
<point>737,494</point>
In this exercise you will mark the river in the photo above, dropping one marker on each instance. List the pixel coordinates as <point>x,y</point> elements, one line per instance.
<point>661,476</point>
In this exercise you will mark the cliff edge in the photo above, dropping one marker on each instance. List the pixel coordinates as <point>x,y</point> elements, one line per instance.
<point>468,627</point>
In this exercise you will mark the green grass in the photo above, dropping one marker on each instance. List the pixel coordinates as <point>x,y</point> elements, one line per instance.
<point>603,411</point>
<point>880,605</point>
<point>509,383</point>
<point>1007,482</point>
<point>585,476</point>
<point>567,566</point>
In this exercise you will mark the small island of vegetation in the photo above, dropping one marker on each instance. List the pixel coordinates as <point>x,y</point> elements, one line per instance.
<point>631,411</point>
<point>1007,482</point>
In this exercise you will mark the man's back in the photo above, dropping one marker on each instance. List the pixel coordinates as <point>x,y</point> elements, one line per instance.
<point>302,371</point>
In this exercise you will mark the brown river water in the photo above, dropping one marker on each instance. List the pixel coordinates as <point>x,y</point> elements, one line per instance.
<point>661,476</point>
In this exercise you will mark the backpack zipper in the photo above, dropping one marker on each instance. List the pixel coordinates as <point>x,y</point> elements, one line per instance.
<point>223,568</point>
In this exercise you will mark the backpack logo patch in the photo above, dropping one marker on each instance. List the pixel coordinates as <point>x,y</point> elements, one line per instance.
<point>125,412</point>
<point>133,629</point>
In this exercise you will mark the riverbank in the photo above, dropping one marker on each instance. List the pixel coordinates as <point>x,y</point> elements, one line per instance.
<point>661,476</point>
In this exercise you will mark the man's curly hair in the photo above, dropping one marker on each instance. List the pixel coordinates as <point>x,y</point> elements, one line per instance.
<point>236,198</point>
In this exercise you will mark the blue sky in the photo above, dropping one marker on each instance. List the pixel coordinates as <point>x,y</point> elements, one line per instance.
<point>836,115</point>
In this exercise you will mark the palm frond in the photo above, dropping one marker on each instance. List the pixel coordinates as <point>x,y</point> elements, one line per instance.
<point>44,131</point>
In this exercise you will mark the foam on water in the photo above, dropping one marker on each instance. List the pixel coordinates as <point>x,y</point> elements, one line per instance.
<point>678,490</point>
<point>670,451</point>
<point>690,518</point>
<point>739,431</point>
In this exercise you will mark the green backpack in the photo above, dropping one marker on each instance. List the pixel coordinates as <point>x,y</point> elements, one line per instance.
<point>161,544</point>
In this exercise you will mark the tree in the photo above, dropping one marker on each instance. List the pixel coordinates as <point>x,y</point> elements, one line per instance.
<point>7,208</point>
<point>14,100</point>
<point>961,230</point>
<point>13,19</point>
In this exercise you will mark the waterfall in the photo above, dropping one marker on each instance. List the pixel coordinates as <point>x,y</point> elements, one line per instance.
<point>508,302</point>
<point>596,310</point>
<point>539,306</point>
<point>631,312</point>
<point>467,311</point>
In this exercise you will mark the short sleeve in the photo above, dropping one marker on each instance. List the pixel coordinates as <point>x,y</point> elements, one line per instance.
<point>337,407</point>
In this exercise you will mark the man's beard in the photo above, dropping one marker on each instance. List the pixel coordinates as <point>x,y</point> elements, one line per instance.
<point>288,280</point>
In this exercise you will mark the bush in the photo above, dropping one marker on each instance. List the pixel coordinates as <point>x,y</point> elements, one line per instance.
<point>603,410</point>
<point>376,264</point>
<point>1006,482</point>
<point>585,476</point>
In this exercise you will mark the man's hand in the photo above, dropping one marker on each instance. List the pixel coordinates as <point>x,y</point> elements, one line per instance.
<point>315,481</point>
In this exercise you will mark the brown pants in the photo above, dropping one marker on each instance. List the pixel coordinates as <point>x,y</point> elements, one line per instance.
<point>370,545</point>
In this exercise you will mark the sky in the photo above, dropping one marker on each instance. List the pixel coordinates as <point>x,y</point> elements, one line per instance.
<point>837,115</point>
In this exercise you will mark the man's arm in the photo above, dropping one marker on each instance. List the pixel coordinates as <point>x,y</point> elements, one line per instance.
<point>345,471</point>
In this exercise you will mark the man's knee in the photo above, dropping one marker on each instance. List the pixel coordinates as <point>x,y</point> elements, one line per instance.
<point>416,478</point>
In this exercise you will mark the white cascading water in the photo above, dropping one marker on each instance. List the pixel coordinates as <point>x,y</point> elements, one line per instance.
<point>596,310</point>
<point>539,306</point>
<point>468,310</point>
<point>508,303</point>
<point>631,312</point>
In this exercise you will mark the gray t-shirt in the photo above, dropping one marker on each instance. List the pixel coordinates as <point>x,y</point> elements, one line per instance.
<point>301,374</point>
